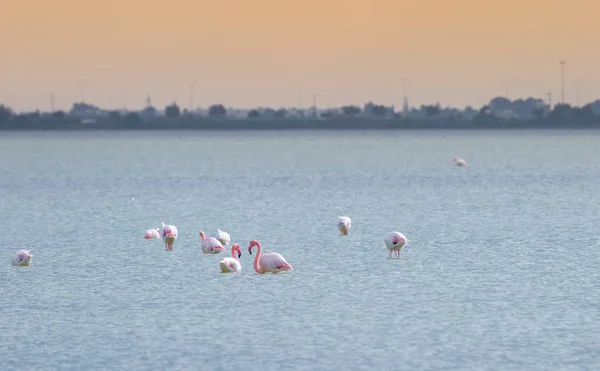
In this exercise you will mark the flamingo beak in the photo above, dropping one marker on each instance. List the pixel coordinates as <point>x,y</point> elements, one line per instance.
<point>239,254</point>
<point>250,249</point>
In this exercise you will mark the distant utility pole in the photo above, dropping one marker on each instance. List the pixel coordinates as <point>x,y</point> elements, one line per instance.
<point>549,94</point>
<point>562,81</point>
<point>300,85</point>
<point>403,83</point>
<point>52,102</point>
<point>507,83</point>
<point>314,96</point>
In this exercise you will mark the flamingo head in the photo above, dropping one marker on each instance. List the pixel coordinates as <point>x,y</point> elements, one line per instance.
<point>252,244</point>
<point>236,247</point>
<point>202,236</point>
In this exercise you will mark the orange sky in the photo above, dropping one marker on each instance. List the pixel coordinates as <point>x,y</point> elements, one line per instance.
<point>256,52</point>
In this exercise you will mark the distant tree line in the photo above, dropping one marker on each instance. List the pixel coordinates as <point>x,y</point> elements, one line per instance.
<point>500,113</point>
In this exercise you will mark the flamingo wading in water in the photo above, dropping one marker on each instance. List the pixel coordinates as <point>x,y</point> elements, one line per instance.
<point>169,235</point>
<point>395,241</point>
<point>22,258</point>
<point>152,234</point>
<point>230,265</point>
<point>459,162</point>
<point>210,245</point>
<point>223,237</point>
<point>344,224</point>
<point>269,262</point>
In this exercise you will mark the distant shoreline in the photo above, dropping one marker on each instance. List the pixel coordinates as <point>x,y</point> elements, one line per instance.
<point>224,124</point>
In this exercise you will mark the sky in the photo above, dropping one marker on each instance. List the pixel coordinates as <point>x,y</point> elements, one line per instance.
<point>282,53</point>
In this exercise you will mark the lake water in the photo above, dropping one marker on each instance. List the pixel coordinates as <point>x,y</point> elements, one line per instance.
<point>501,271</point>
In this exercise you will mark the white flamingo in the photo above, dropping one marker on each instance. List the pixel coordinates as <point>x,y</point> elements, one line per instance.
<point>395,241</point>
<point>210,245</point>
<point>231,265</point>
<point>169,235</point>
<point>223,237</point>
<point>152,234</point>
<point>22,258</point>
<point>344,225</point>
<point>269,262</point>
<point>460,162</point>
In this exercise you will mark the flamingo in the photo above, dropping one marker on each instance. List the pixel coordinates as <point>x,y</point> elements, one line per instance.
<point>230,265</point>
<point>169,235</point>
<point>223,237</point>
<point>344,224</point>
<point>395,241</point>
<point>460,162</point>
<point>22,258</point>
<point>152,234</point>
<point>269,262</point>
<point>210,245</point>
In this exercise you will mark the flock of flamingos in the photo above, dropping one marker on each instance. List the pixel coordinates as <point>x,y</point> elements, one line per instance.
<point>271,262</point>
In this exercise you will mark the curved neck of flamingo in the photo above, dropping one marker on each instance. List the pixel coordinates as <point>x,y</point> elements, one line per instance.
<point>233,249</point>
<point>202,235</point>
<point>256,257</point>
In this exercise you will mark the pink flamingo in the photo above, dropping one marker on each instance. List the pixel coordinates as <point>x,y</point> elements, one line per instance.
<point>344,225</point>
<point>152,234</point>
<point>210,245</point>
<point>460,162</point>
<point>229,265</point>
<point>395,241</point>
<point>269,262</point>
<point>169,235</point>
<point>22,258</point>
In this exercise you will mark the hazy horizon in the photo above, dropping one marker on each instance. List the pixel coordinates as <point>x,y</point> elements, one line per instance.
<point>247,54</point>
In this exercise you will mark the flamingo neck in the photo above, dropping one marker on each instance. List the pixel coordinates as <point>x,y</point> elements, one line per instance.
<point>233,254</point>
<point>202,236</point>
<point>257,267</point>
